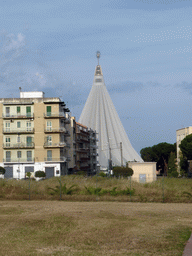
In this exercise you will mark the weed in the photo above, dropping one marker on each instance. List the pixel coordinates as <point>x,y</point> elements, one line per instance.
<point>63,188</point>
<point>185,193</point>
<point>92,191</point>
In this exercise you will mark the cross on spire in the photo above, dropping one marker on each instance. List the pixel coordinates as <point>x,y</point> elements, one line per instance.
<point>98,55</point>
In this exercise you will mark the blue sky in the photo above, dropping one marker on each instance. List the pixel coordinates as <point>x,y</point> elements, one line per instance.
<point>146,58</point>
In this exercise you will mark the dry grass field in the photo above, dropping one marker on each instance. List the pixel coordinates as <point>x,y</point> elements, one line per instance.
<point>79,188</point>
<point>93,228</point>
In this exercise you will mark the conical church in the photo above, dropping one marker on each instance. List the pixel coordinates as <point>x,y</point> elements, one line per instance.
<point>100,114</point>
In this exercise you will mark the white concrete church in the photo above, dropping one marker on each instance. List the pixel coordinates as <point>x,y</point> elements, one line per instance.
<point>100,114</point>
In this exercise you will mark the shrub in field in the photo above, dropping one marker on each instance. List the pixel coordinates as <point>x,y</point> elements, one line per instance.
<point>113,192</point>
<point>122,171</point>
<point>126,191</point>
<point>2,170</point>
<point>102,174</point>
<point>81,173</point>
<point>40,174</point>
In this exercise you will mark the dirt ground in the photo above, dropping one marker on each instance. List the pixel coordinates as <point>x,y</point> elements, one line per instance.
<point>93,228</point>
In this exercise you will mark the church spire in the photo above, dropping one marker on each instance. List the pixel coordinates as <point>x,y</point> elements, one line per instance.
<point>98,56</point>
<point>100,114</point>
<point>98,71</point>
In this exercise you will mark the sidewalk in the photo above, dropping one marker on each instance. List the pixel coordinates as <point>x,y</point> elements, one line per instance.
<point>188,248</point>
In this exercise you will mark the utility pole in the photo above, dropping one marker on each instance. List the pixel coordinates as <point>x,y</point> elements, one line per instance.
<point>121,152</point>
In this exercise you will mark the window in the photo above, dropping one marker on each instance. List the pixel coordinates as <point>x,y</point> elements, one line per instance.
<point>18,110</point>
<point>49,155</point>
<point>29,141</point>
<point>28,126</point>
<point>29,155</point>
<point>7,111</point>
<point>49,126</point>
<point>8,156</point>
<point>48,110</point>
<point>7,126</point>
<point>18,154</point>
<point>18,124</point>
<point>49,140</point>
<point>8,140</point>
<point>98,80</point>
<point>28,111</point>
<point>18,139</point>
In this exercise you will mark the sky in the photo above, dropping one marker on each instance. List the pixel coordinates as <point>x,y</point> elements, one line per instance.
<point>146,58</point>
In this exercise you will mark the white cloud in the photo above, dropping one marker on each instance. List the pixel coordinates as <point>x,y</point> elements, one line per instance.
<point>14,42</point>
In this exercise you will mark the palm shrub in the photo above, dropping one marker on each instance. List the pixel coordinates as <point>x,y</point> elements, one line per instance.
<point>63,189</point>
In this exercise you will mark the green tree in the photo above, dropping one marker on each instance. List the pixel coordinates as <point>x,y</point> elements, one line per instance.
<point>184,165</point>
<point>160,154</point>
<point>186,147</point>
<point>172,166</point>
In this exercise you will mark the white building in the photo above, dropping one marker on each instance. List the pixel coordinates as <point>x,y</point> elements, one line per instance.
<point>100,114</point>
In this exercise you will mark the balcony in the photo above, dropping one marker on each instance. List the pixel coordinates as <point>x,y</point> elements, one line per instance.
<point>18,131</point>
<point>55,145</point>
<point>67,133</point>
<point>18,116</point>
<point>68,145</point>
<point>82,149</point>
<point>55,130</point>
<point>54,115</point>
<point>19,160</point>
<point>84,164</point>
<point>67,120</point>
<point>50,159</point>
<point>9,145</point>
<point>80,138</point>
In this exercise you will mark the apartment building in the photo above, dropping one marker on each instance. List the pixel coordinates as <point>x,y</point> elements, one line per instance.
<point>180,135</point>
<point>72,142</point>
<point>86,149</point>
<point>93,150</point>
<point>33,135</point>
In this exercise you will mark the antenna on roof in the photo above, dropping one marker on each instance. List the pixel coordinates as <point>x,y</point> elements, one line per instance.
<point>20,89</point>
<point>98,55</point>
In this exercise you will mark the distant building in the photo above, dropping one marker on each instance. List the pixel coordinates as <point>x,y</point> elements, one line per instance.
<point>86,149</point>
<point>33,135</point>
<point>180,135</point>
<point>71,127</point>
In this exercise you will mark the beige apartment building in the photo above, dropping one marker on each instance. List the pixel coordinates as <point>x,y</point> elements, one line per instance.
<point>33,135</point>
<point>180,135</point>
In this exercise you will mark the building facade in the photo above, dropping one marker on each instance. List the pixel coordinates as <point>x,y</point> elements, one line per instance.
<point>33,135</point>
<point>71,127</point>
<point>86,149</point>
<point>180,135</point>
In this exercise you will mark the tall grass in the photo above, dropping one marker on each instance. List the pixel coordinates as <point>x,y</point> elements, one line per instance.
<point>79,188</point>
